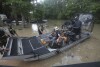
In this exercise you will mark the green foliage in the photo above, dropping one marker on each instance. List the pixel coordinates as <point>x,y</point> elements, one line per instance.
<point>19,6</point>
<point>65,9</point>
<point>54,9</point>
<point>38,12</point>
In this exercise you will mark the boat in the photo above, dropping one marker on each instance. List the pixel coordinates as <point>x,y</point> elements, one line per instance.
<point>31,48</point>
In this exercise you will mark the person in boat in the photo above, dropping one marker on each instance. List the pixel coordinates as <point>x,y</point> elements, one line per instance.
<point>12,31</point>
<point>3,50</point>
<point>49,38</point>
<point>57,32</point>
<point>54,34</point>
<point>40,29</point>
<point>58,39</point>
<point>76,25</point>
<point>62,38</point>
<point>3,38</point>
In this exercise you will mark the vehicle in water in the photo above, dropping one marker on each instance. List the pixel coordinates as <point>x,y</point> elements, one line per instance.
<point>39,47</point>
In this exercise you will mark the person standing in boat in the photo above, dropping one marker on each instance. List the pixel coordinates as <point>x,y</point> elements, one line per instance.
<point>12,31</point>
<point>62,39</point>
<point>77,24</point>
<point>40,29</point>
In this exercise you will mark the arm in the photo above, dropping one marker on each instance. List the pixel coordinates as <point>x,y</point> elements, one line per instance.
<point>3,49</point>
<point>65,38</point>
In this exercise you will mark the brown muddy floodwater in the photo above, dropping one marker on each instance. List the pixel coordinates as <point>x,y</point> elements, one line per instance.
<point>87,51</point>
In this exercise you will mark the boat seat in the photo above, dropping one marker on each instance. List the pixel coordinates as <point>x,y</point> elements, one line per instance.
<point>14,51</point>
<point>38,48</point>
<point>27,49</point>
<point>41,51</point>
<point>35,42</point>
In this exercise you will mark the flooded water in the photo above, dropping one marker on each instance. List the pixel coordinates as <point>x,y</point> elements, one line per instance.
<point>87,51</point>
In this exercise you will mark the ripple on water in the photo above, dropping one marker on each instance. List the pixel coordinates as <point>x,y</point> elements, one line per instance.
<point>69,60</point>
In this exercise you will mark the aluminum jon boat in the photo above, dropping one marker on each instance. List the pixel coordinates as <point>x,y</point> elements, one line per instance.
<point>31,49</point>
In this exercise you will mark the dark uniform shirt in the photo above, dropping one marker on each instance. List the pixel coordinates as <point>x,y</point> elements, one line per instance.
<point>77,27</point>
<point>2,33</point>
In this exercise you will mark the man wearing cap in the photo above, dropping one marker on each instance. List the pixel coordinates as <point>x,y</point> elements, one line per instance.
<point>56,30</point>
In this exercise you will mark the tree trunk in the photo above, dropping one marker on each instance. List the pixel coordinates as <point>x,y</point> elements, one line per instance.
<point>14,13</point>
<point>17,23</point>
<point>23,20</point>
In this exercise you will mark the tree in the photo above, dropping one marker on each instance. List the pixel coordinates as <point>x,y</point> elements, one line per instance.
<point>38,11</point>
<point>53,9</point>
<point>65,9</point>
<point>20,7</point>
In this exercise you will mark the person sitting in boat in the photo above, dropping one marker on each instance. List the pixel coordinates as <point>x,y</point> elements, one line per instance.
<point>77,27</point>
<point>49,39</point>
<point>57,32</point>
<point>60,41</point>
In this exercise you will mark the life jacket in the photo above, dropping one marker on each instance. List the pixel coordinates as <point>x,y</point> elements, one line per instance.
<point>43,41</point>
